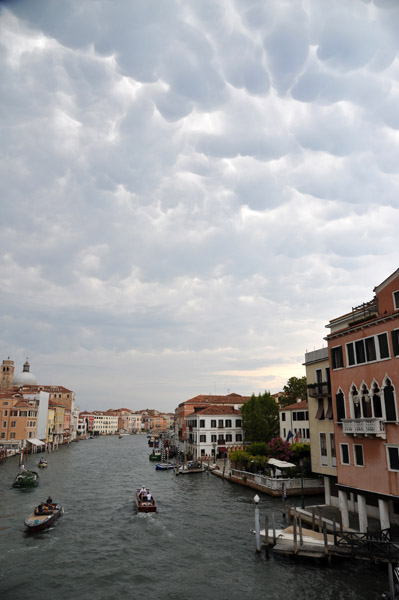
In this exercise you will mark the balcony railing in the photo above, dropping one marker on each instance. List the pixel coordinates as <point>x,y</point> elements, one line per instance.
<point>316,390</point>
<point>364,427</point>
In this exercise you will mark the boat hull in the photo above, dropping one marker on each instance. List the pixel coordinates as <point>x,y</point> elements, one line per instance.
<point>164,467</point>
<point>35,522</point>
<point>144,506</point>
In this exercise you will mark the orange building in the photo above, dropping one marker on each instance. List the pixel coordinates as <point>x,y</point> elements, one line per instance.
<point>18,418</point>
<point>364,360</point>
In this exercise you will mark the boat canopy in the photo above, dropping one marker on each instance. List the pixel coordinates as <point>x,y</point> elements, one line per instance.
<point>280,464</point>
<point>35,442</point>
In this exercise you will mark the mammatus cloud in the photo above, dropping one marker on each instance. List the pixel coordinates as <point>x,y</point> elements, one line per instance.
<point>191,190</point>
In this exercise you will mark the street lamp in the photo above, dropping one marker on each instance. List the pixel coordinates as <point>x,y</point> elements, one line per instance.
<point>303,497</point>
<point>257,523</point>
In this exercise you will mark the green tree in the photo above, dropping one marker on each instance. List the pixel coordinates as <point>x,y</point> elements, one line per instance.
<point>260,418</point>
<point>295,388</point>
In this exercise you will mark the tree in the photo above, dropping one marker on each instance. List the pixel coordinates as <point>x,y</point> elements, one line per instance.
<point>295,388</point>
<point>279,449</point>
<point>260,418</point>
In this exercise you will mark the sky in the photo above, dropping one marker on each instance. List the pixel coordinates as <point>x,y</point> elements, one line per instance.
<point>191,189</point>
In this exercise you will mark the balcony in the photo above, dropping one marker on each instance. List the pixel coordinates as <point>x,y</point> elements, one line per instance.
<point>366,427</point>
<point>317,390</point>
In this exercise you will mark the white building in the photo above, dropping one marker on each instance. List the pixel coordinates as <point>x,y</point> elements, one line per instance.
<point>104,423</point>
<point>294,422</point>
<point>214,431</point>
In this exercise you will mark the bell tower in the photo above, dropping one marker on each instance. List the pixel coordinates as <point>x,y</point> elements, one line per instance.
<point>6,374</point>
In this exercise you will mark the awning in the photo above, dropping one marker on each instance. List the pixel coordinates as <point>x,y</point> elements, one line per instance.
<point>35,442</point>
<point>280,464</point>
<point>222,449</point>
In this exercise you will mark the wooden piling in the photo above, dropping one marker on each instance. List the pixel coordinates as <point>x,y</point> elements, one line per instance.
<point>300,532</point>
<point>313,518</point>
<point>274,530</point>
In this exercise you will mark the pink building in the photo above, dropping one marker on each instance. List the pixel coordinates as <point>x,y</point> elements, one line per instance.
<point>364,359</point>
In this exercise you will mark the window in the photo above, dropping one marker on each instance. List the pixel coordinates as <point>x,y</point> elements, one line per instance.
<point>294,416</point>
<point>320,409</point>
<point>3,434</point>
<point>4,423</point>
<point>213,438</point>
<point>283,416</point>
<point>13,423</point>
<point>202,438</point>
<point>220,424</point>
<point>345,454</point>
<point>337,358</point>
<point>213,423</point>
<point>228,422</point>
<point>238,437</point>
<point>358,455</point>
<point>332,450</point>
<point>395,341</point>
<point>389,400</point>
<point>393,458</point>
<point>229,437</point>
<point>383,343</point>
<point>238,422</point>
<point>340,403</point>
<point>12,436</point>
<point>323,450</point>
<point>360,353</point>
<point>329,413</point>
<point>5,413</point>
<point>367,350</point>
<point>202,422</point>
<point>396,300</point>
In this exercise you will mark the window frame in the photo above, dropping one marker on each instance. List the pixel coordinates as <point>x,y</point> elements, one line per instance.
<point>392,447</point>
<point>341,447</point>
<point>355,357</point>
<point>355,458</point>
<point>395,298</point>
<point>334,351</point>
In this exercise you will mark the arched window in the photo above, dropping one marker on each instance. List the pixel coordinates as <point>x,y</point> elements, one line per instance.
<point>389,400</point>
<point>356,407</point>
<point>376,400</point>
<point>340,405</point>
<point>366,402</point>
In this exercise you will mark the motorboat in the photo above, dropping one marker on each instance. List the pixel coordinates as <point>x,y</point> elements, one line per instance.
<point>164,466</point>
<point>26,479</point>
<point>43,516</point>
<point>143,503</point>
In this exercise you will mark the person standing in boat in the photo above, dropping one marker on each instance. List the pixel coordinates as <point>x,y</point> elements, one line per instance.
<point>49,500</point>
<point>142,492</point>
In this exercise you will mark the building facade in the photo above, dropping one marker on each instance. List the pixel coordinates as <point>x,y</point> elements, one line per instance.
<point>322,435</point>
<point>214,431</point>
<point>364,359</point>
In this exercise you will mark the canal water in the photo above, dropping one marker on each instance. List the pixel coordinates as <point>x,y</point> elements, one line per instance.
<point>198,545</point>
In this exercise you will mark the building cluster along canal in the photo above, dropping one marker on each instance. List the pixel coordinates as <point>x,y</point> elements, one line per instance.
<point>199,544</point>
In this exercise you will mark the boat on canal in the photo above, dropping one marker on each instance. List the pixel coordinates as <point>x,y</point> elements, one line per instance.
<point>191,467</point>
<point>42,464</point>
<point>144,504</point>
<point>164,466</point>
<point>43,516</point>
<point>26,479</point>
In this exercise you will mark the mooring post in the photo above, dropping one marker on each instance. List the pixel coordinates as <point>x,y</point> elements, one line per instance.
<point>295,535</point>
<point>267,536</point>
<point>313,518</point>
<point>390,577</point>
<point>325,539</point>
<point>257,523</point>
<point>300,532</point>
